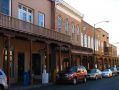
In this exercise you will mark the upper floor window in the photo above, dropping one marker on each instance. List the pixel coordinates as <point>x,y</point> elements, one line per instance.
<point>72,27</point>
<point>81,39</point>
<point>92,43</point>
<point>77,30</point>
<point>88,41</point>
<point>85,40</point>
<point>41,19</point>
<point>59,19</point>
<point>66,25</point>
<point>25,13</point>
<point>5,6</point>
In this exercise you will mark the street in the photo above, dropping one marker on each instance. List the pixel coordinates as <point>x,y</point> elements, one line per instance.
<point>103,84</point>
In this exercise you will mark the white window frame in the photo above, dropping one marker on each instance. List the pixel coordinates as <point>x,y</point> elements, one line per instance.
<point>66,25</point>
<point>21,11</point>
<point>41,14</point>
<point>88,41</point>
<point>77,30</point>
<point>72,27</point>
<point>59,23</point>
<point>10,8</point>
<point>82,39</point>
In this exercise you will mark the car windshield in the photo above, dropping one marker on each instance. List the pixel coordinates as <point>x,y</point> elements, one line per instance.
<point>113,69</point>
<point>69,70</point>
<point>106,70</point>
<point>93,70</point>
<point>73,69</point>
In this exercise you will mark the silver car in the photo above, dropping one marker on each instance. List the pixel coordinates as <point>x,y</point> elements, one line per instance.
<point>3,81</point>
<point>107,73</point>
<point>95,74</point>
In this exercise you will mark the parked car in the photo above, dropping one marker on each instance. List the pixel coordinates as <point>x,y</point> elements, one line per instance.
<point>72,75</point>
<point>3,81</point>
<point>107,73</point>
<point>114,71</point>
<point>118,70</point>
<point>94,74</point>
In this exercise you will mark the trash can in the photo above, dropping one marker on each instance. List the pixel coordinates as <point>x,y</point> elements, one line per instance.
<point>26,79</point>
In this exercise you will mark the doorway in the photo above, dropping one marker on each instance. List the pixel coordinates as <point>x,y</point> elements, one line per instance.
<point>20,67</point>
<point>36,67</point>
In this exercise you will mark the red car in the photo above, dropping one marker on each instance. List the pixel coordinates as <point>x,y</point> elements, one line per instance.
<point>72,75</point>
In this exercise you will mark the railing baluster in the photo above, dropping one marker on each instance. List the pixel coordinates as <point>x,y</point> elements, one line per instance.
<point>22,26</point>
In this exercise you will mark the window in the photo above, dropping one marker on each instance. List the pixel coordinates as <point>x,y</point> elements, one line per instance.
<point>6,7</point>
<point>59,19</point>
<point>0,73</point>
<point>25,13</point>
<point>77,30</point>
<point>92,43</point>
<point>88,41</point>
<point>81,39</point>
<point>85,40</point>
<point>11,62</point>
<point>66,25</point>
<point>72,27</point>
<point>41,19</point>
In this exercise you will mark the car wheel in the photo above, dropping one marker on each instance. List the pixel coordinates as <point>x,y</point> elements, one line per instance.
<point>100,77</point>
<point>74,81</point>
<point>1,88</point>
<point>96,77</point>
<point>113,74</point>
<point>85,80</point>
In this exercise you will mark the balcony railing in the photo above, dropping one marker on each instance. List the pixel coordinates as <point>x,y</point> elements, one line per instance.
<point>15,24</point>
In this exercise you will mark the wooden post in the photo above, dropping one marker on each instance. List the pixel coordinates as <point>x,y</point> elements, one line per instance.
<point>8,60</point>
<point>70,56</point>
<point>31,79</point>
<point>60,58</point>
<point>47,57</point>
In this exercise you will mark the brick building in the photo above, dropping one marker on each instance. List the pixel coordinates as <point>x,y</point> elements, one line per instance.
<point>54,35</point>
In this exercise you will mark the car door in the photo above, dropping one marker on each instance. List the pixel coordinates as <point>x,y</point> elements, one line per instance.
<point>100,73</point>
<point>80,74</point>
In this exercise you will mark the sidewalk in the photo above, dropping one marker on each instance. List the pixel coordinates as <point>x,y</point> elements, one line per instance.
<point>18,87</point>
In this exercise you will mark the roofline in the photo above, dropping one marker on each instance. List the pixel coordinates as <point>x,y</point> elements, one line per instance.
<point>70,8</point>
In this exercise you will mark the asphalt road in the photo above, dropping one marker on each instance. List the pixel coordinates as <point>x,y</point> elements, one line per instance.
<point>101,84</point>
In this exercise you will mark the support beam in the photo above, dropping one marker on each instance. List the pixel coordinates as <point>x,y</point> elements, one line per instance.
<point>70,60</point>
<point>47,56</point>
<point>8,60</point>
<point>60,61</point>
<point>31,78</point>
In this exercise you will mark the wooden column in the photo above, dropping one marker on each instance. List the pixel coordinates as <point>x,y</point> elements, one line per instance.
<point>60,62</point>
<point>8,60</point>
<point>31,78</point>
<point>81,59</point>
<point>47,57</point>
<point>70,60</point>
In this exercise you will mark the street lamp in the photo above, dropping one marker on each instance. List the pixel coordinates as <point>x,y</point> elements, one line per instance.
<point>94,58</point>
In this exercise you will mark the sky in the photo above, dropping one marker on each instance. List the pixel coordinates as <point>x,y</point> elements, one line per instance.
<point>100,10</point>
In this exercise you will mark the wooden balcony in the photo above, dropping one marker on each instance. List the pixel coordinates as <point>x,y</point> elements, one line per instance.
<point>17,25</point>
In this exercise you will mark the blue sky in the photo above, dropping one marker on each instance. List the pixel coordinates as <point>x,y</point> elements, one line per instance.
<point>100,10</point>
